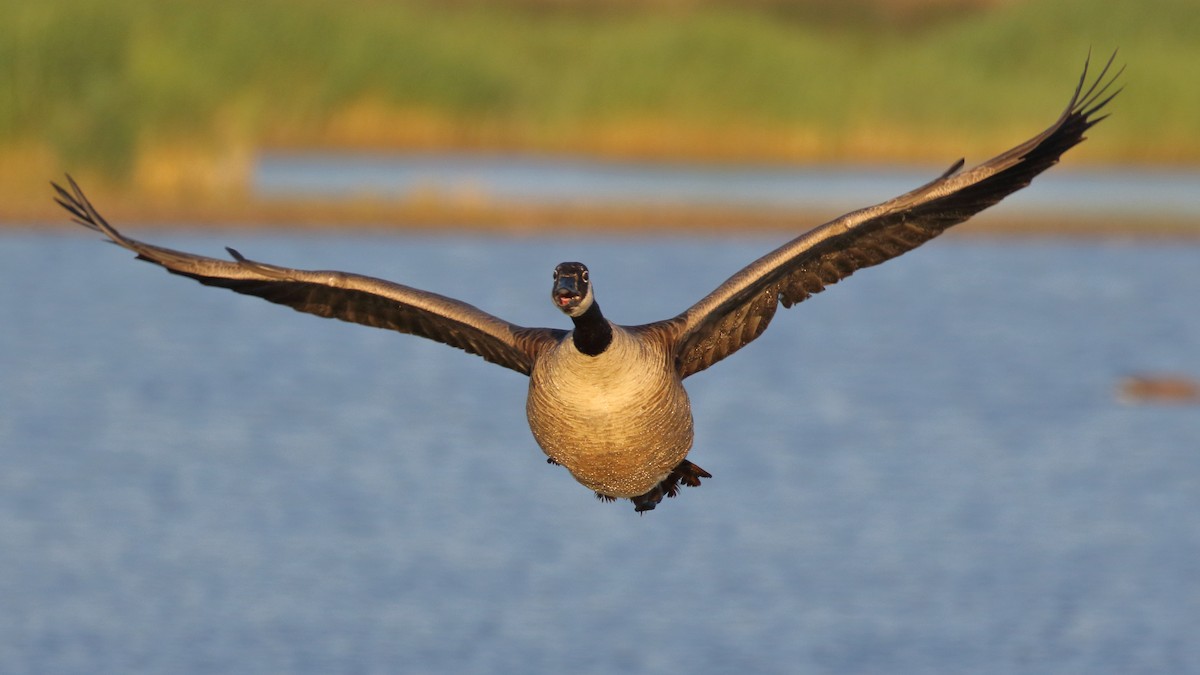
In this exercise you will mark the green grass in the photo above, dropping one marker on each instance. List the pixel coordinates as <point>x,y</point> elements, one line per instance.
<point>97,84</point>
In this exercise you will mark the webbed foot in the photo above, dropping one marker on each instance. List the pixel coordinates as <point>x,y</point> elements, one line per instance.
<point>648,501</point>
<point>686,473</point>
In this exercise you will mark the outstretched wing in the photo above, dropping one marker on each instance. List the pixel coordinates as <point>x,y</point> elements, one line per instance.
<point>739,310</point>
<point>338,295</point>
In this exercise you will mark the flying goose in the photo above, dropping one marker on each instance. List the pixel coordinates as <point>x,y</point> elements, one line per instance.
<point>607,401</point>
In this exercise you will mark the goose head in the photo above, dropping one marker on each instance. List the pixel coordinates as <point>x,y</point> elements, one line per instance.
<point>572,291</point>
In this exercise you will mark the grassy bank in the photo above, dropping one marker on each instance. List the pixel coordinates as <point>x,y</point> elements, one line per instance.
<point>171,97</point>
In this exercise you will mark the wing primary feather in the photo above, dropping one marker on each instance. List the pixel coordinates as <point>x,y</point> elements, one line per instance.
<point>954,168</point>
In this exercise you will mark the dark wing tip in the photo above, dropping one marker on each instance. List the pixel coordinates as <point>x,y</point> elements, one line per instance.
<point>83,213</point>
<point>1079,116</point>
<point>1087,103</point>
<point>72,202</point>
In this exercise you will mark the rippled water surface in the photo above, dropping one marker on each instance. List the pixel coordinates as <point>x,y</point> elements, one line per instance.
<point>923,469</point>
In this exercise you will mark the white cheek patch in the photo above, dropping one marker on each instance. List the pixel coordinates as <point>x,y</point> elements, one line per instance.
<point>584,304</point>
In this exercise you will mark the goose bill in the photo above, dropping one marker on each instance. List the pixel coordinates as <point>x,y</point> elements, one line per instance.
<point>566,294</point>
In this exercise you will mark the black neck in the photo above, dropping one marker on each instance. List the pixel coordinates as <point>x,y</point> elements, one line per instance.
<point>592,333</point>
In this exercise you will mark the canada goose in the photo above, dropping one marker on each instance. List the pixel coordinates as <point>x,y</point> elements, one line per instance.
<point>607,401</point>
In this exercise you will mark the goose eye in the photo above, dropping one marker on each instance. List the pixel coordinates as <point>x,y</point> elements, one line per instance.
<point>556,275</point>
<point>585,275</point>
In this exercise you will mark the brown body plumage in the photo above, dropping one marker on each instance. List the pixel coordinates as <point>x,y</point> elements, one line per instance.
<point>607,401</point>
<point>620,421</point>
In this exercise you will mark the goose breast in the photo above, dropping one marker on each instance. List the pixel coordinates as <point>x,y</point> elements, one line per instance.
<point>619,421</point>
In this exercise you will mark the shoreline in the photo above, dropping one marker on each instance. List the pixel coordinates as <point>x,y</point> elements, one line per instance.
<point>530,219</point>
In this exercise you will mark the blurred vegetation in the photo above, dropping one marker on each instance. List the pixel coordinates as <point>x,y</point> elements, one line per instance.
<point>167,92</point>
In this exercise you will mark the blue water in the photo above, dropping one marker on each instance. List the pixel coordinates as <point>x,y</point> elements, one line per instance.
<point>1111,192</point>
<point>922,470</point>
